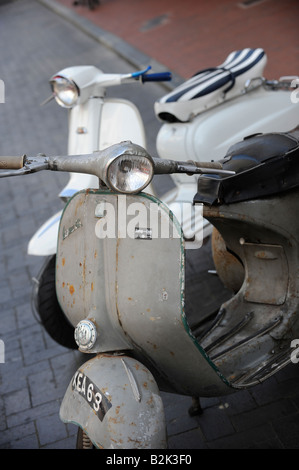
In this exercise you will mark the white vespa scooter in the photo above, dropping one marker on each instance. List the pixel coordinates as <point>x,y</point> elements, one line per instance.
<point>201,119</point>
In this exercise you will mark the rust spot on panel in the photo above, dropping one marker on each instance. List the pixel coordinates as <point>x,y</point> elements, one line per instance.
<point>79,203</point>
<point>154,346</point>
<point>94,321</point>
<point>136,441</point>
<point>71,289</point>
<point>92,287</point>
<point>63,261</point>
<point>117,248</point>
<point>228,267</point>
<point>117,419</point>
<point>63,284</point>
<point>84,269</point>
<point>211,212</point>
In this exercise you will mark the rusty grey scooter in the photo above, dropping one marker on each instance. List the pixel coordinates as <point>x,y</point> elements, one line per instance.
<point>120,280</point>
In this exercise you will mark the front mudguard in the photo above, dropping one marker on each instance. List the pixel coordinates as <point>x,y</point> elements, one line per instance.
<point>44,241</point>
<point>116,401</point>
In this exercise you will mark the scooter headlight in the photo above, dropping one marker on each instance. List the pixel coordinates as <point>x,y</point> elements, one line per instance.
<point>130,174</point>
<point>65,91</point>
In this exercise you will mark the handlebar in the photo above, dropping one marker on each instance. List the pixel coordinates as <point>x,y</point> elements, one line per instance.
<point>144,76</point>
<point>96,163</point>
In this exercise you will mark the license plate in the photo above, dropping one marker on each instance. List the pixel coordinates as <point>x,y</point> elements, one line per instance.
<point>92,394</point>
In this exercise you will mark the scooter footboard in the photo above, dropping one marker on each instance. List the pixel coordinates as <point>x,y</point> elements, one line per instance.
<point>116,401</point>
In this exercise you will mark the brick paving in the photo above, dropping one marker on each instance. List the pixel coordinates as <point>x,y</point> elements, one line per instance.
<point>190,35</point>
<point>38,42</point>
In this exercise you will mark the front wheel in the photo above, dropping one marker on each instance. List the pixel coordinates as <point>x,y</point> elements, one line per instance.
<point>48,309</point>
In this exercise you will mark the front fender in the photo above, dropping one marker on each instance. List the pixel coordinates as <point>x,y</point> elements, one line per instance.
<point>44,241</point>
<point>116,401</point>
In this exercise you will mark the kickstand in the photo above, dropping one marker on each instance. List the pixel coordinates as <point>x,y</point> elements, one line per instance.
<point>195,409</point>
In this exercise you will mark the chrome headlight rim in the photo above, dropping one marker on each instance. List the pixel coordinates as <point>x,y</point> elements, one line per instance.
<point>68,82</point>
<point>143,180</point>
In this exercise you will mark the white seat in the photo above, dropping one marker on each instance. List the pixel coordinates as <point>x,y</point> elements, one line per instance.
<point>210,87</point>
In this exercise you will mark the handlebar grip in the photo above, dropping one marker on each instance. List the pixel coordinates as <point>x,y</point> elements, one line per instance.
<point>156,77</point>
<point>12,163</point>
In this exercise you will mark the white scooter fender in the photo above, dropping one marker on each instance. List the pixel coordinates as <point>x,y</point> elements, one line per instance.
<point>116,401</point>
<point>96,124</point>
<point>44,241</point>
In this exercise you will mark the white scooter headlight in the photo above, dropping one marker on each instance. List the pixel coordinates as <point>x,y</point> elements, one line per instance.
<point>130,174</point>
<point>65,91</point>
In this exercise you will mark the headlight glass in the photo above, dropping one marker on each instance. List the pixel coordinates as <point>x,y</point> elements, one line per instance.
<point>65,91</point>
<point>130,174</point>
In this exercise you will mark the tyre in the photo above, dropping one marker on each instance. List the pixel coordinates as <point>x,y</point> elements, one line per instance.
<point>48,309</point>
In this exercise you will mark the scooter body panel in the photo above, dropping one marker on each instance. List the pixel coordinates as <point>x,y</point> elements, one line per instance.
<point>267,302</point>
<point>255,210</point>
<point>112,254</point>
<point>84,286</point>
<point>209,135</point>
<point>116,401</point>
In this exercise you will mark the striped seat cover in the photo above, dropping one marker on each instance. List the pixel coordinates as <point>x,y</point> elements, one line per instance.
<point>213,86</point>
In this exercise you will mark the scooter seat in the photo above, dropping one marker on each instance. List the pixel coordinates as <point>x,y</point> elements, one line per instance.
<point>264,165</point>
<point>211,87</point>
